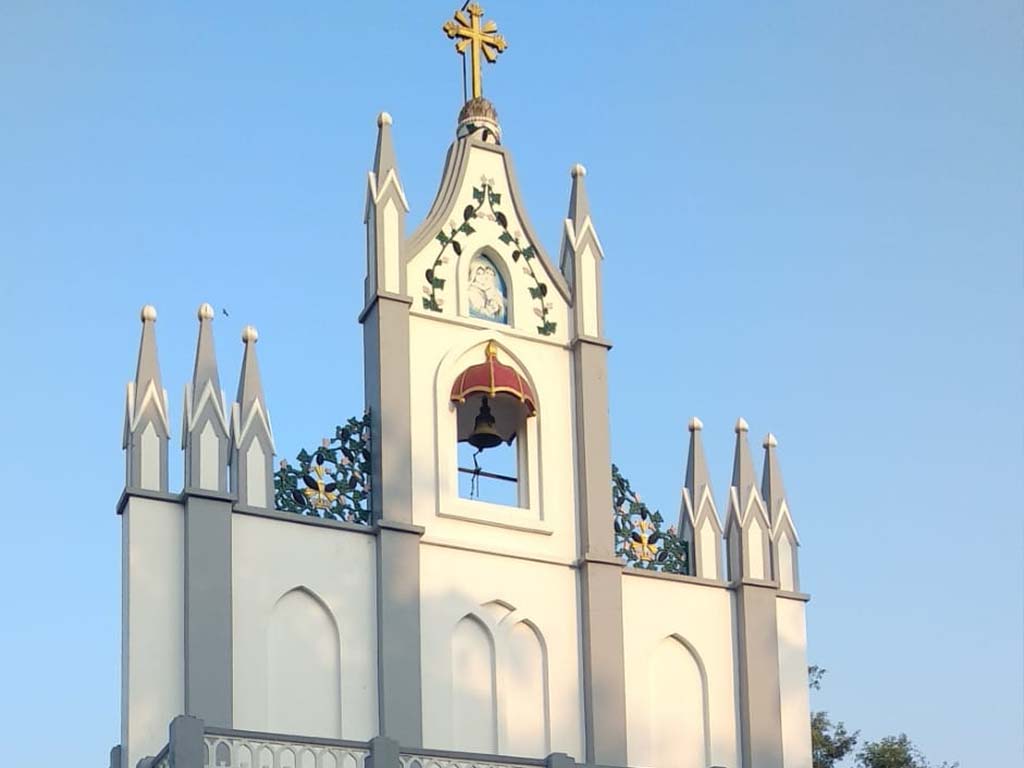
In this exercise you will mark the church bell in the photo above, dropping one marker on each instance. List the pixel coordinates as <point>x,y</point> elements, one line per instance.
<point>484,434</point>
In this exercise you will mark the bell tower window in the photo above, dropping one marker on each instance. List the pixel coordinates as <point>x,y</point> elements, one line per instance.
<point>492,403</point>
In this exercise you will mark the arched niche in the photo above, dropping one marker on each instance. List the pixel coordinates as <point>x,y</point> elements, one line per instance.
<point>474,700</point>
<point>678,733</point>
<point>525,706</point>
<point>485,287</point>
<point>303,666</point>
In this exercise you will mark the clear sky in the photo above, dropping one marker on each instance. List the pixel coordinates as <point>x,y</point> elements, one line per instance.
<point>812,217</point>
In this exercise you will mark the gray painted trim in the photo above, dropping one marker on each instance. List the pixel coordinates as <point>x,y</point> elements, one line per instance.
<point>803,597</point>
<point>208,610</point>
<point>142,493</point>
<point>473,757</point>
<point>427,542</point>
<point>286,737</point>
<point>387,392</point>
<point>452,179</point>
<point>559,760</point>
<point>604,668</point>
<point>599,341</point>
<point>392,525</point>
<point>292,517</point>
<point>677,577</point>
<point>185,743</point>
<point>758,671</point>
<point>593,457</point>
<point>399,675</point>
<point>399,297</point>
<point>115,757</point>
<point>383,753</point>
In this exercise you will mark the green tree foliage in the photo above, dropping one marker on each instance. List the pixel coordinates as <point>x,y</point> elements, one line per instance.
<point>830,742</point>
<point>894,752</point>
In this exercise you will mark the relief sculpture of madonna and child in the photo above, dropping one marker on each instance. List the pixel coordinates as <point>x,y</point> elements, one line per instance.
<point>487,294</point>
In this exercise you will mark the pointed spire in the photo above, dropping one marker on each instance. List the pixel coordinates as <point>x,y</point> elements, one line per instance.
<point>205,368</point>
<point>250,385</point>
<point>204,434</point>
<point>579,205</point>
<point>147,370</point>
<point>743,477</point>
<point>146,426</point>
<point>772,490</point>
<point>384,216</point>
<point>384,158</point>
<point>697,478</point>
<point>252,442</point>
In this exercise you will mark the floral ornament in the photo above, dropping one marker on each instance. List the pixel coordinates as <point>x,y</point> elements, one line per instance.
<point>485,195</point>
<point>639,537</point>
<point>333,482</point>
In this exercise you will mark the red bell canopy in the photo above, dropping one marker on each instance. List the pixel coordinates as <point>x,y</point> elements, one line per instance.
<point>510,396</point>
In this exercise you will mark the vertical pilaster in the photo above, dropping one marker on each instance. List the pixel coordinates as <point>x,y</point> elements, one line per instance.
<point>252,441</point>
<point>208,630</point>
<point>758,666</point>
<point>185,743</point>
<point>604,688</point>
<point>385,321</point>
<point>698,518</point>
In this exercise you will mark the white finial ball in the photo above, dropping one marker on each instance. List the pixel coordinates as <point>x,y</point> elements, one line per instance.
<point>250,335</point>
<point>695,424</point>
<point>770,441</point>
<point>578,170</point>
<point>205,311</point>
<point>148,314</point>
<point>383,119</point>
<point>741,425</point>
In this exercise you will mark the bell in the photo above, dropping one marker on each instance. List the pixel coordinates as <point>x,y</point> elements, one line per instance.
<point>484,434</point>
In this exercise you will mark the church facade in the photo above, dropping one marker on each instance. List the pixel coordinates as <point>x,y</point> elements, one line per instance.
<point>460,577</point>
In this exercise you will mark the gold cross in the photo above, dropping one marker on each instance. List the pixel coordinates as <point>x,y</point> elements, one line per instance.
<point>480,39</point>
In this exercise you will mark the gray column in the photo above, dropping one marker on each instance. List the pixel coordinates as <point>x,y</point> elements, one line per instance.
<point>386,370</point>
<point>604,687</point>
<point>383,753</point>
<point>399,697</point>
<point>185,743</point>
<point>208,638</point>
<point>758,665</point>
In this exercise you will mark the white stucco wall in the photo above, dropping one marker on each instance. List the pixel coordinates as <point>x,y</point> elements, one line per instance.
<point>294,586</point>
<point>674,632</point>
<point>152,624</point>
<point>794,692</point>
<point>516,657</point>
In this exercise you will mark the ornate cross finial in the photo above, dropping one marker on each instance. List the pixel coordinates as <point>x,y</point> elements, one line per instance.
<point>481,39</point>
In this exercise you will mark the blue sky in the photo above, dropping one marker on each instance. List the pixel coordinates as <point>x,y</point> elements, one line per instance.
<point>812,217</point>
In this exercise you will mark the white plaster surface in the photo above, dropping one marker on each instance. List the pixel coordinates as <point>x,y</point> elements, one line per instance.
<point>149,459</point>
<point>526,612</point>
<point>390,247</point>
<point>336,571</point>
<point>755,534</point>
<point>588,288</point>
<point>710,547</point>
<point>784,553</point>
<point>671,630</point>
<point>152,624</point>
<point>794,692</point>
<point>209,457</point>
<point>255,475</point>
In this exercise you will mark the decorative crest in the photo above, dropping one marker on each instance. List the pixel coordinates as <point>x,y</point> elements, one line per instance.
<point>482,39</point>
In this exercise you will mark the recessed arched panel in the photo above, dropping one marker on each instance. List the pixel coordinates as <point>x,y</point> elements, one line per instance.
<point>525,712</point>
<point>474,710</point>
<point>784,552</point>
<point>755,548</point>
<point>303,667</point>
<point>677,713</point>
<point>487,295</point>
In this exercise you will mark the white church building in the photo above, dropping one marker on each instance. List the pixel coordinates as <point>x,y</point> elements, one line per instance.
<point>458,578</point>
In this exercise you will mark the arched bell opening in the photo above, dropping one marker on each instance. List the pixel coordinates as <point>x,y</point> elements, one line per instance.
<point>492,403</point>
